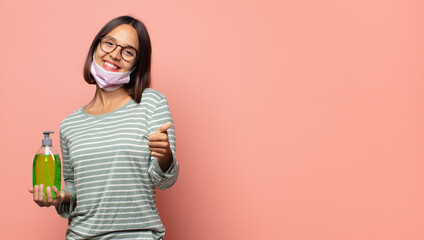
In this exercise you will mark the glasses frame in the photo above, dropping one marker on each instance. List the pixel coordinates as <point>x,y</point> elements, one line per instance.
<point>118,45</point>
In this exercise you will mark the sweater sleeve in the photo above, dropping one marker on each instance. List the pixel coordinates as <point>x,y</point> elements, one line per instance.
<point>161,115</point>
<point>65,209</point>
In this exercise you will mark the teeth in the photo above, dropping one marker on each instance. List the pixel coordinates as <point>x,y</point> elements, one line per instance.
<point>111,65</point>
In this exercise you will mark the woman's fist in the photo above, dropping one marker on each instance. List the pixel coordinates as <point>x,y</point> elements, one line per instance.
<point>159,146</point>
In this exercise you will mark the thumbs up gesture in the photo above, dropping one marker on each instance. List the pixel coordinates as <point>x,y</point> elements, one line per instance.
<point>159,146</point>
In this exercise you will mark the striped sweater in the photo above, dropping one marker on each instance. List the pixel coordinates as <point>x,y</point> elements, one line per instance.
<point>110,174</point>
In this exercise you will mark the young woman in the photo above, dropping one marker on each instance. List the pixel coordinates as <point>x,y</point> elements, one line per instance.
<point>119,147</point>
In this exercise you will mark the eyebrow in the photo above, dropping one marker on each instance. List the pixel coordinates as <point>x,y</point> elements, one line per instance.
<point>129,45</point>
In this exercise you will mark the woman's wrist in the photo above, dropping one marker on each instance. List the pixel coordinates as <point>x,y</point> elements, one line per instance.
<point>164,164</point>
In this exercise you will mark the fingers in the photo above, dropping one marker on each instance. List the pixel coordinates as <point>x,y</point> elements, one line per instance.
<point>62,196</point>
<point>38,195</point>
<point>41,196</point>
<point>31,190</point>
<point>158,137</point>
<point>41,192</point>
<point>164,127</point>
<point>59,195</point>
<point>49,195</point>
<point>158,155</point>
<point>159,144</point>
<point>41,200</point>
<point>159,150</point>
<point>56,191</point>
<point>35,194</point>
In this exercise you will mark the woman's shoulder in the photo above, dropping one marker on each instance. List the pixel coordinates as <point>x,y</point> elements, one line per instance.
<point>150,94</point>
<point>74,116</point>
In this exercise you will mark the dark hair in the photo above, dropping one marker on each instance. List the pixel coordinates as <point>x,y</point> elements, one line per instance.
<point>140,77</point>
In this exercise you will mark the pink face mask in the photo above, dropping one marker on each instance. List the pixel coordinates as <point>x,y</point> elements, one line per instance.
<point>108,80</point>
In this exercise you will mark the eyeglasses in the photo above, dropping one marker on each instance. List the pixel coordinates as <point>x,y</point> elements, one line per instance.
<point>108,45</point>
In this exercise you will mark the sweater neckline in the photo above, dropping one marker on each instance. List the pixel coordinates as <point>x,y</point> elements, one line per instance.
<point>105,114</point>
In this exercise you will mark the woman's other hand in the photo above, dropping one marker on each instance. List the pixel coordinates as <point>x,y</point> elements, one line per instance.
<point>38,196</point>
<point>159,146</point>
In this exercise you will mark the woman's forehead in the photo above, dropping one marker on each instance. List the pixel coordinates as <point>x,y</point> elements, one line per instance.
<point>125,35</point>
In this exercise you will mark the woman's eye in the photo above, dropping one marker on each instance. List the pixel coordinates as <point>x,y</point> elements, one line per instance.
<point>129,53</point>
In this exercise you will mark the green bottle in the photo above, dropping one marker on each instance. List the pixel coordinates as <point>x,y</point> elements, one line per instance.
<point>46,168</point>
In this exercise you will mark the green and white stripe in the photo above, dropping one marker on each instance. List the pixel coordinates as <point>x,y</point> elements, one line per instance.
<point>110,174</point>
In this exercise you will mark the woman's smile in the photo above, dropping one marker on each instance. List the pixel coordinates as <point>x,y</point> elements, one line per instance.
<point>110,66</point>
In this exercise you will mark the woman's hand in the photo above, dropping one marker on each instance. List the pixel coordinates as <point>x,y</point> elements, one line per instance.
<point>38,196</point>
<point>159,146</point>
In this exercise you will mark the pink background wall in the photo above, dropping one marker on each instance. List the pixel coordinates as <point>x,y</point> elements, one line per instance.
<point>294,119</point>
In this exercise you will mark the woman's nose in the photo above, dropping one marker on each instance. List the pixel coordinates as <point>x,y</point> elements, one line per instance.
<point>116,54</point>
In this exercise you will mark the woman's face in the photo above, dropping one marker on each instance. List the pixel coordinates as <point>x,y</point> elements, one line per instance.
<point>124,35</point>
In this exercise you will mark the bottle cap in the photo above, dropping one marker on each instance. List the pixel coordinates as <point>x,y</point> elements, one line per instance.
<point>47,141</point>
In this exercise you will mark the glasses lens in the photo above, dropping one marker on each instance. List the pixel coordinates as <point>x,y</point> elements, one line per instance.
<point>129,53</point>
<point>107,45</point>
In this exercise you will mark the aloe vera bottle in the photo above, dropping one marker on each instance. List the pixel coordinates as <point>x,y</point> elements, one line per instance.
<point>46,166</point>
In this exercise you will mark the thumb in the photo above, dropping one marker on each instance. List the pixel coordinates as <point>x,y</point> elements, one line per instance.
<point>62,194</point>
<point>164,127</point>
